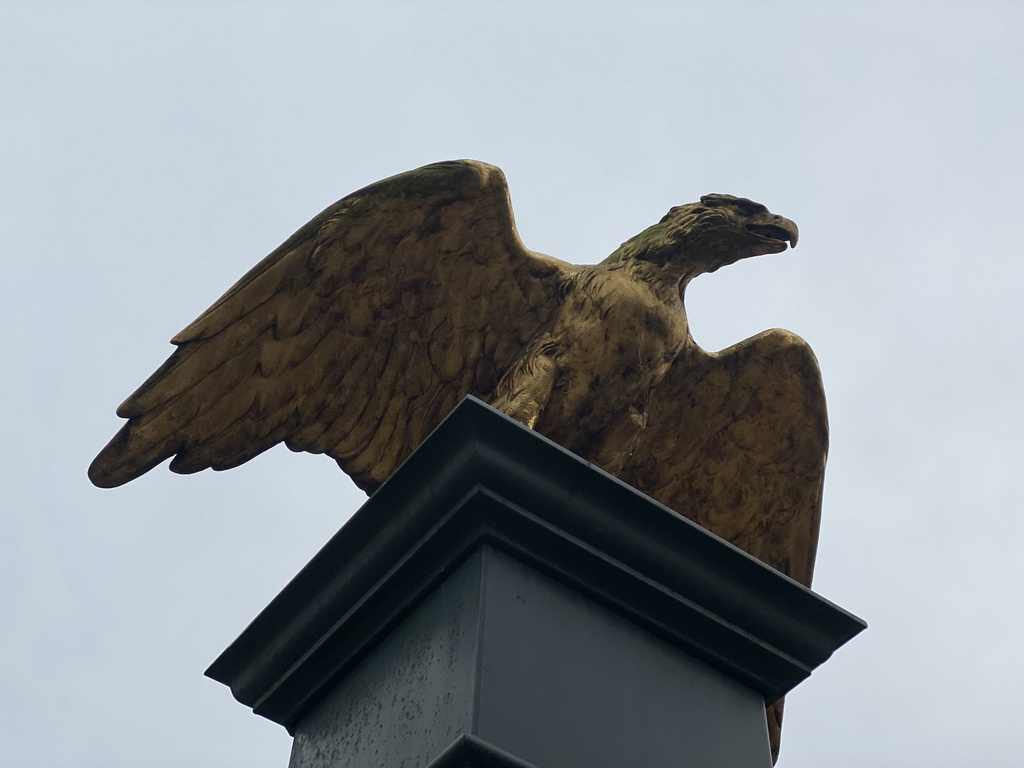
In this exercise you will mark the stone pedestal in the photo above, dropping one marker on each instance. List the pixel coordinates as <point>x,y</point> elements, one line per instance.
<point>500,602</point>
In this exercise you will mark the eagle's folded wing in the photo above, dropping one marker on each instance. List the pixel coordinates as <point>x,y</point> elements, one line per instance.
<point>354,338</point>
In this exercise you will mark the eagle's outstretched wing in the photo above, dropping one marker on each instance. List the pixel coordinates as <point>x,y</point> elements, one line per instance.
<point>354,338</point>
<point>736,441</point>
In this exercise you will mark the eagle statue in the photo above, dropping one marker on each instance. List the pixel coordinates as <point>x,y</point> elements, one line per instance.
<point>357,336</point>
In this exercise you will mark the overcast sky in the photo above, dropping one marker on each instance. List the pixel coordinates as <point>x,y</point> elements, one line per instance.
<point>151,153</point>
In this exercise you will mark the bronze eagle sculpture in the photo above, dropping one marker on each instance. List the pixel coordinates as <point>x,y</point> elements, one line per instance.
<point>357,335</point>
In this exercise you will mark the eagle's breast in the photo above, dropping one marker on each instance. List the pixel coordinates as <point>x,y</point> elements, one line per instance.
<point>615,340</point>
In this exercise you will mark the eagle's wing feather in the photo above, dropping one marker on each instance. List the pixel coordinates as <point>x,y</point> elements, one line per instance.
<point>736,441</point>
<point>354,338</point>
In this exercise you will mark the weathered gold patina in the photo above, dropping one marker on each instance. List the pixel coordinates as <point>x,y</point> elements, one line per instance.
<point>359,333</point>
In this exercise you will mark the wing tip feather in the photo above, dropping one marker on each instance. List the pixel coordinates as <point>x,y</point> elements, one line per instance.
<point>125,458</point>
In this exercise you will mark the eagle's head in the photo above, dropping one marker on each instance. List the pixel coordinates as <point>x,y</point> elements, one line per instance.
<point>702,237</point>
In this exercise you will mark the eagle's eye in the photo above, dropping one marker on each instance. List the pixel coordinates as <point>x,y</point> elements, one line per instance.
<point>749,207</point>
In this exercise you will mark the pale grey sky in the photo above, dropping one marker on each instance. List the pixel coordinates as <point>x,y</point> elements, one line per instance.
<point>152,152</point>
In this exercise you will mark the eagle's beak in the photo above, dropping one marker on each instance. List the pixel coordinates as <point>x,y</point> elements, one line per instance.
<point>775,227</point>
